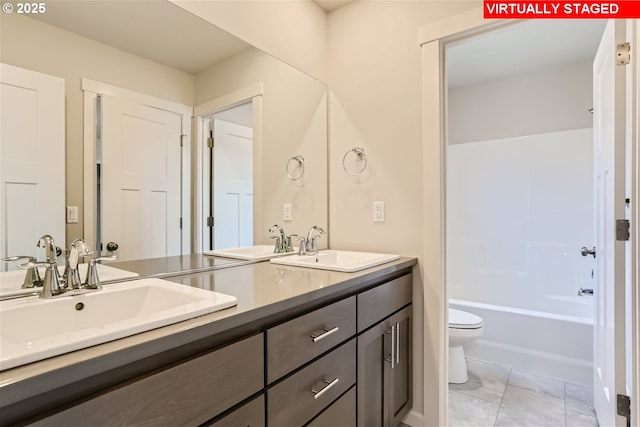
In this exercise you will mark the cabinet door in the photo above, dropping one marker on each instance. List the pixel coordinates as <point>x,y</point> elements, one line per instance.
<point>373,350</point>
<point>400,375</point>
<point>250,415</point>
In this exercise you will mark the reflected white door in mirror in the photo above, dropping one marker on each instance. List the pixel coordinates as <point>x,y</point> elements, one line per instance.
<point>32,159</point>
<point>137,192</point>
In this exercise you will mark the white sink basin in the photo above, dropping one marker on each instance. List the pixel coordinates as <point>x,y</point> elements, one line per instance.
<point>248,253</point>
<point>11,281</point>
<point>33,328</point>
<point>334,260</point>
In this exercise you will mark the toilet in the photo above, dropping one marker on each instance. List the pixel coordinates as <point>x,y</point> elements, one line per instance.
<point>464,327</point>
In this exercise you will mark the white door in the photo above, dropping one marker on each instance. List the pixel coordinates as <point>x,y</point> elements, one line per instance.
<point>232,185</point>
<point>140,179</point>
<point>32,160</point>
<point>609,199</point>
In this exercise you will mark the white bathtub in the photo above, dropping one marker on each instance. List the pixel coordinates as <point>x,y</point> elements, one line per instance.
<point>550,344</point>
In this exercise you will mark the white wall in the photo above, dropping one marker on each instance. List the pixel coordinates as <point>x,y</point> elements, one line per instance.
<point>518,212</point>
<point>37,46</point>
<point>293,31</point>
<point>543,101</point>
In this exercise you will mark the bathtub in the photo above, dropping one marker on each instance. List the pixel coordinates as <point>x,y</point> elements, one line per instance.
<point>546,343</point>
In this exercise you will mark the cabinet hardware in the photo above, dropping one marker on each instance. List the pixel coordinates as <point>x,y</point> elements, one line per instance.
<point>329,384</point>
<point>392,359</point>
<point>397,343</point>
<point>315,337</point>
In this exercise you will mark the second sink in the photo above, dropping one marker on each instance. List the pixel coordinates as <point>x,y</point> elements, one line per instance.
<point>337,260</point>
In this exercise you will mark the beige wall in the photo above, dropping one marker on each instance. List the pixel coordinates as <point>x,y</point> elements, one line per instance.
<point>375,81</point>
<point>293,31</point>
<point>31,44</point>
<point>294,122</point>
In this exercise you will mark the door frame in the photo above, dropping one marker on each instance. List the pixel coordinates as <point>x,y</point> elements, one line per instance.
<point>91,89</point>
<point>199,189</point>
<point>432,39</point>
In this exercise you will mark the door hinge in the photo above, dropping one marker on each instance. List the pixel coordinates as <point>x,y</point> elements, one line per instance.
<point>623,53</point>
<point>622,230</point>
<point>180,223</point>
<point>623,406</point>
<point>210,142</point>
<point>182,136</point>
<point>210,221</point>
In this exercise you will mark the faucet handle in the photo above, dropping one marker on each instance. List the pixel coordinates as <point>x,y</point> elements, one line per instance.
<point>92,281</point>
<point>32,278</point>
<point>51,284</point>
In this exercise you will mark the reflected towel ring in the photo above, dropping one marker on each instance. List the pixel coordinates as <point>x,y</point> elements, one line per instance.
<point>291,167</point>
<point>359,152</point>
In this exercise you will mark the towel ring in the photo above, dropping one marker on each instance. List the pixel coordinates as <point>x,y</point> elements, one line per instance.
<point>359,152</point>
<point>296,162</point>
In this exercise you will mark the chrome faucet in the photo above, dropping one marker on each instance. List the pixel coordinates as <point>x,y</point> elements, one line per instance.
<point>78,249</point>
<point>32,277</point>
<point>308,245</point>
<point>283,242</point>
<point>51,283</point>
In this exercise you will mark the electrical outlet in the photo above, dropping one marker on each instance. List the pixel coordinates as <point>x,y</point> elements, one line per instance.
<point>378,211</point>
<point>72,214</point>
<point>287,212</point>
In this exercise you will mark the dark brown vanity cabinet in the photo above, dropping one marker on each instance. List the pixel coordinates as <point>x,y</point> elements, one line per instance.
<point>384,354</point>
<point>343,361</point>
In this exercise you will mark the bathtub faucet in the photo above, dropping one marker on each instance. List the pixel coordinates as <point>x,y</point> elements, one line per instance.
<point>582,292</point>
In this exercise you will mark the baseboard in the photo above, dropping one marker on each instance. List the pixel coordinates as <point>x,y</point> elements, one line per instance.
<point>414,419</point>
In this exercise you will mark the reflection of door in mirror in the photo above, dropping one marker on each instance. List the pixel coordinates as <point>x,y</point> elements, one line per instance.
<point>32,166</point>
<point>230,178</point>
<point>140,178</point>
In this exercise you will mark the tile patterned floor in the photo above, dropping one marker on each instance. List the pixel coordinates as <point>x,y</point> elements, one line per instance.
<point>500,396</point>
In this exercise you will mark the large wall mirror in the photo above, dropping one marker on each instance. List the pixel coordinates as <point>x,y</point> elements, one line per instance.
<point>106,51</point>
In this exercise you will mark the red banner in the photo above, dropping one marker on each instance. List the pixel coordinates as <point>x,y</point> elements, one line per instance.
<point>496,9</point>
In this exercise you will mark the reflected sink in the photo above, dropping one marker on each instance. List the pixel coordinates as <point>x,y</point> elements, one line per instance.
<point>33,328</point>
<point>11,281</point>
<point>335,260</point>
<point>248,253</point>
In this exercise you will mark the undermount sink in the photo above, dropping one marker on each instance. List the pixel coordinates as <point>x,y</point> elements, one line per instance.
<point>337,260</point>
<point>11,281</point>
<point>34,328</point>
<point>248,253</point>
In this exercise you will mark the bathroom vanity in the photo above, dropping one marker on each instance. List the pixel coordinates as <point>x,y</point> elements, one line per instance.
<point>302,347</point>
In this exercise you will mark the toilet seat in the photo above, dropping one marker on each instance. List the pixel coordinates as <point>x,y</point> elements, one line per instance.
<point>463,320</point>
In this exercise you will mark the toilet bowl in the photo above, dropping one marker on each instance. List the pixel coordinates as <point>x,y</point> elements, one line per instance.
<point>464,327</point>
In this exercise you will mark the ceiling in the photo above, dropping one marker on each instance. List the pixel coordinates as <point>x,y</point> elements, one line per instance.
<point>522,47</point>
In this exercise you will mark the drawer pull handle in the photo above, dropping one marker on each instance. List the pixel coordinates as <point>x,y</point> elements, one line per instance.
<point>327,331</point>
<point>329,384</point>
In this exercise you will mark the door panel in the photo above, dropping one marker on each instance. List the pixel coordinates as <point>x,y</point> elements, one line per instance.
<point>32,160</point>
<point>140,179</point>
<point>609,199</point>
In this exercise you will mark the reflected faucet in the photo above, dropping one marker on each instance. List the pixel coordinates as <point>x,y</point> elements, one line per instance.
<point>32,277</point>
<point>283,242</point>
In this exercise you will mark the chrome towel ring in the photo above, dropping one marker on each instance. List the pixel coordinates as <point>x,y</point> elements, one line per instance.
<point>360,156</point>
<point>296,163</point>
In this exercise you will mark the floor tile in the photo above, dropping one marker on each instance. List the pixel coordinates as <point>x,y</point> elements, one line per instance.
<point>486,381</point>
<point>537,383</point>
<point>524,407</point>
<point>469,411</point>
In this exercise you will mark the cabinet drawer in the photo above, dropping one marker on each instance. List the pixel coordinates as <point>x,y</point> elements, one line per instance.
<point>250,414</point>
<point>299,340</point>
<point>379,302</point>
<point>341,414</point>
<point>187,394</point>
<point>292,401</point>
